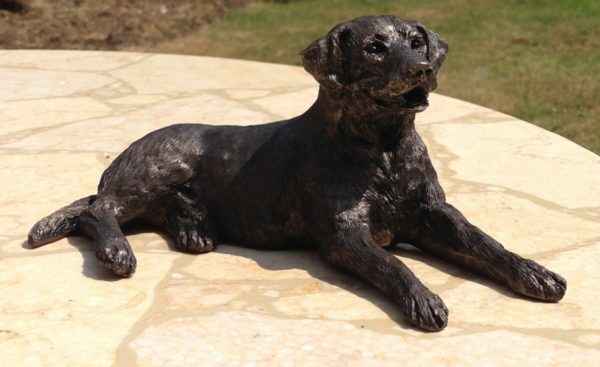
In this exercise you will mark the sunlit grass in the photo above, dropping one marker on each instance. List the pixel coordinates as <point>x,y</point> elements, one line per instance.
<point>538,60</point>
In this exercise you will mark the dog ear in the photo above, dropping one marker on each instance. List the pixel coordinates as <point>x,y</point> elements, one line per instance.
<point>437,48</point>
<point>323,58</point>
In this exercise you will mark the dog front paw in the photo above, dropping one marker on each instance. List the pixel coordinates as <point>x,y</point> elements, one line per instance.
<point>426,310</point>
<point>538,282</point>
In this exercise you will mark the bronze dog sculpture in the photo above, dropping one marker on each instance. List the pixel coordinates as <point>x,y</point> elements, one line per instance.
<point>350,175</point>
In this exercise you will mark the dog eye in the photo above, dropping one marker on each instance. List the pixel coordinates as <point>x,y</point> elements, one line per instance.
<point>376,48</point>
<point>416,43</point>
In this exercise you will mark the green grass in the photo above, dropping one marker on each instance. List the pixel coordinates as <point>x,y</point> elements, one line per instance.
<point>538,60</point>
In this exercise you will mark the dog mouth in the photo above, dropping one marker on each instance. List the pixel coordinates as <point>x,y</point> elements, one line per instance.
<point>414,99</point>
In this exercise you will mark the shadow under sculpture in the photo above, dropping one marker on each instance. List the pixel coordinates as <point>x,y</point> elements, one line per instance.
<point>350,175</point>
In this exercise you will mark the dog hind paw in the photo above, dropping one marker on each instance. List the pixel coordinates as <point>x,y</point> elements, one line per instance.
<point>191,236</point>
<point>117,256</point>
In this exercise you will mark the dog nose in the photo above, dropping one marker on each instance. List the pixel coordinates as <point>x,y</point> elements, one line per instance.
<point>419,72</point>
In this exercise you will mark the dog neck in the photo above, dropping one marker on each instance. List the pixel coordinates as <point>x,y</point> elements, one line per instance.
<point>357,125</point>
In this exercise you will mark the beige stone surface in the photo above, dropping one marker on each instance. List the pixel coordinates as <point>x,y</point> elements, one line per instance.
<point>65,115</point>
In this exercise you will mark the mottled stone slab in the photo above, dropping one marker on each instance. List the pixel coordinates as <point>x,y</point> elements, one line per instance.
<point>64,115</point>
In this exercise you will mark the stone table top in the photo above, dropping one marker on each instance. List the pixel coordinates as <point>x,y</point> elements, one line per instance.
<point>65,115</point>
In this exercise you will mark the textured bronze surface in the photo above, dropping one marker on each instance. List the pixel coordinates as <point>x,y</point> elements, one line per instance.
<point>349,176</point>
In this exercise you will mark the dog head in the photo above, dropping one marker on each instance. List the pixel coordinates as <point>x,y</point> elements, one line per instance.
<point>391,62</point>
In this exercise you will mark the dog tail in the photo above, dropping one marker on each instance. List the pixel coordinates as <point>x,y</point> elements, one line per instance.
<point>59,224</point>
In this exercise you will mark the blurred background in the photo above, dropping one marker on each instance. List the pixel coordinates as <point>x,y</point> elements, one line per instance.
<point>538,60</point>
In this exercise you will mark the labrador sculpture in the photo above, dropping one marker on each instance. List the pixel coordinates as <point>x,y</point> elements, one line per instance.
<point>350,175</point>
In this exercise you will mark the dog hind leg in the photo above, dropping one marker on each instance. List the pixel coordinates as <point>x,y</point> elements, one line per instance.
<point>100,222</point>
<point>59,224</point>
<point>185,218</point>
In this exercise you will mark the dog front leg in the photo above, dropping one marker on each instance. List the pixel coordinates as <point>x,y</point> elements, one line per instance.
<point>446,233</point>
<point>355,251</point>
